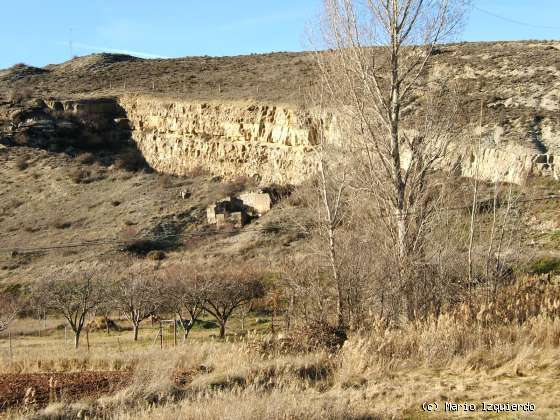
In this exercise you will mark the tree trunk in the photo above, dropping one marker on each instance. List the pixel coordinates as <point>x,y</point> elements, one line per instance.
<point>136,327</point>
<point>222,329</point>
<point>77,339</point>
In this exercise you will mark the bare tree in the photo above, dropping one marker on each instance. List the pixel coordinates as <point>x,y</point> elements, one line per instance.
<point>332,188</point>
<point>10,305</point>
<point>75,292</point>
<point>135,293</point>
<point>184,290</point>
<point>390,115</point>
<point>230,288</point>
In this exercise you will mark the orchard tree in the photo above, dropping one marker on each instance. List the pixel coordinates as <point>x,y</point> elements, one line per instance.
<point>184,291</point>
<point>74,291</point>
<point>135,293</point>
<point>230,288</point>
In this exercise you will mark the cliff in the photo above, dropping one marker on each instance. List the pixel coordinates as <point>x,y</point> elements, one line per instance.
<point>270,143</point>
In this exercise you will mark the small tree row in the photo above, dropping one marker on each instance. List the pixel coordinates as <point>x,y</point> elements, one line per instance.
<point>139,290</point>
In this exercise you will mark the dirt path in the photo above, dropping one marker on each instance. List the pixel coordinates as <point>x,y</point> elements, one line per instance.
<point>39,389</point>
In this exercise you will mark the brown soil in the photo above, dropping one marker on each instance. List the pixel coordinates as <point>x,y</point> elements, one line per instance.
<point>38,389</point>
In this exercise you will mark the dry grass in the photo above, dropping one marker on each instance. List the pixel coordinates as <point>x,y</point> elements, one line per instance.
<point>385,373</point>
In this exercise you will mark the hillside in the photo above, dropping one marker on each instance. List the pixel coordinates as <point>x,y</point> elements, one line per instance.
<point>225,117</point>
<point>517,81</point>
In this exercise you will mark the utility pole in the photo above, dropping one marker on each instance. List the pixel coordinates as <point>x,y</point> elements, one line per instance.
<point>70,46</point>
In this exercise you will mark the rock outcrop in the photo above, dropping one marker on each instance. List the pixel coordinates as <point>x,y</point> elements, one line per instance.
<point>272,144</point>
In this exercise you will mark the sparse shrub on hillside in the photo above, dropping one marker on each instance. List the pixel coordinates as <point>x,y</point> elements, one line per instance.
<point>86,158</point>
<point>22,164</point>
<point>156,255</point>
<point>546,265</point>
<point>19,95</point>
<point>62,224</point>
<point>130,160</point>
<point>85,176</point>
<point>165,181</point>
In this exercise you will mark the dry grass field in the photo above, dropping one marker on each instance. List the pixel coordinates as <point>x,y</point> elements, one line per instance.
<point>388,376</point>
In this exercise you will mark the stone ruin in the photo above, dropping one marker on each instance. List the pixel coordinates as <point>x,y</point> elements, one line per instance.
<point>238,211</point>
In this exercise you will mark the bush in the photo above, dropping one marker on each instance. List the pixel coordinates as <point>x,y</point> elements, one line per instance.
<point>237,185</point>
<point>130,160</point>
<point>19,95</point>
<point>84,176</point>
<point>546,265</point>
<point>86,158</point>
<point>165,181</point>
<point>145,247</point>
<point>60,224</point>
<point>156,255</point>
<point>22,164</point>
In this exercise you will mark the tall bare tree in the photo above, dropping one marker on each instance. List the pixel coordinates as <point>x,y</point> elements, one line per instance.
<point>228,289</point>
<point>10,305</point>
<point>135,293</point>
<point>75,291</point>
<point>184,290</point>
<point>390,114</point>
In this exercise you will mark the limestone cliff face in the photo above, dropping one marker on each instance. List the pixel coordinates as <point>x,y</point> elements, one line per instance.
<point>276,144</point>
<point>270,143</point>
<point>273,144</point>
<point>500,165</point>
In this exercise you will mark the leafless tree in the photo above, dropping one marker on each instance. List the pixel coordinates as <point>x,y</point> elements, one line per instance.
<point>75,291</point>
<point>135,293</point>
<point>390,115</point>
<point>184,289</point>
<point>228,289</point>
<point>10,305</point>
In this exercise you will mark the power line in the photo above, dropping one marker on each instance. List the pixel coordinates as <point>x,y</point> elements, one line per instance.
<point>268,228</point>
<point>516,22</point>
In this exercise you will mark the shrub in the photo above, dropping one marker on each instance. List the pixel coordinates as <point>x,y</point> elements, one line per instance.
<point>86,158</point>
<point>165,181</point>
<point>237,185</point>
<point>156,255</point>
<point>80,176</point>
<point>22,164</point>
<point>130,160</point>
<point>60,224</point>
<point>84,176</point>
<point>19,95</point>
<point>546,265</point>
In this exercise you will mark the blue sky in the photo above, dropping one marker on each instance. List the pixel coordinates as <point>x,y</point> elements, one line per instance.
<point>37,32</point>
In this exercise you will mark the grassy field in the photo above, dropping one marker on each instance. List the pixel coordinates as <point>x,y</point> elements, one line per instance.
<point>388,375</point>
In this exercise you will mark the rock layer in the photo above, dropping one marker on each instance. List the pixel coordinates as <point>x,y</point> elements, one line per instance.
<point>276,144</point>
<point>270,143</point>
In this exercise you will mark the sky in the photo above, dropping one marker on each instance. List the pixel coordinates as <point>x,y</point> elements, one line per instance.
<point>39,32</point>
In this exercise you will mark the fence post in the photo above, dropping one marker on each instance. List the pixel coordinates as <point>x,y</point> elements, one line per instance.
<point>160,335</point>
<point>10,340</point>
<point>175,332</point>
